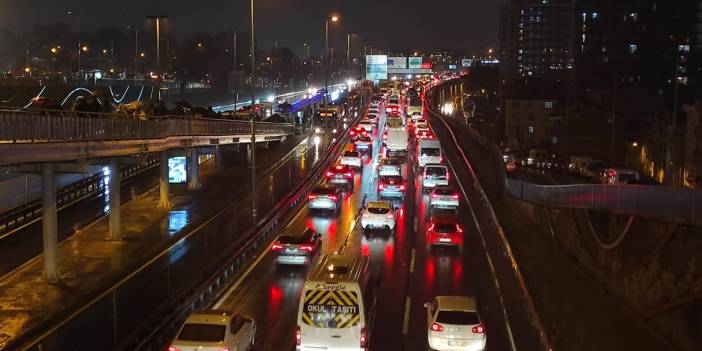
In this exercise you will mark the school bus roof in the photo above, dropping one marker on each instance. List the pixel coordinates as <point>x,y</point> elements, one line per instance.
<point>338,268</point>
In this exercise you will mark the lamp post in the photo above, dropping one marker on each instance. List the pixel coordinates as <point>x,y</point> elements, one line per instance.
<point>326,54</point>
<point>348,54</point>
<point>157,20</point>
<point>253,125</point>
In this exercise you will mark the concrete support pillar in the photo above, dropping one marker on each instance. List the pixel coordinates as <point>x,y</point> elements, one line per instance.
<point>194,181</point>
<point>49,223</point>
<point>115,232</point>
<point>164,186</point>
<point>219,162</point>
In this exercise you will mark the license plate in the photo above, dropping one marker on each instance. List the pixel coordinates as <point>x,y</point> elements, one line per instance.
<point>456,343</point>
<point>444,240</point>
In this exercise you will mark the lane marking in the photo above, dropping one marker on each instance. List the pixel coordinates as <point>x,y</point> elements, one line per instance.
<point>238,282</point>
<point>411,268</point>
<point>415,224</point>
<point>405,320</point>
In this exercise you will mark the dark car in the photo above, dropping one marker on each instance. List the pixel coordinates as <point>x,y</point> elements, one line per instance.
<point>340,175</point>
<point>293,249</point>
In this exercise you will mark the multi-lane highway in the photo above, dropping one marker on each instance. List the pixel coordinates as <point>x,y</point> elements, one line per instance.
<point>412,273</point>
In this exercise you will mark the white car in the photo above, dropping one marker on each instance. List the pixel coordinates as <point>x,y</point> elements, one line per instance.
<point>378,215</point>
<point>215,330</point>
<point>443,197</point>
<point>351,159</point>
<point>391,166</point>
<point>435,175</point>
<point>453,324</point>
<point>416,116</point>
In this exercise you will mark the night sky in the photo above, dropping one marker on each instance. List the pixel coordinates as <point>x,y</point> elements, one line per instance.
<point>390,24</point>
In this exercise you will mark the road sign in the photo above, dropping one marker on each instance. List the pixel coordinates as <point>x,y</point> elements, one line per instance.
<point>376,67</point>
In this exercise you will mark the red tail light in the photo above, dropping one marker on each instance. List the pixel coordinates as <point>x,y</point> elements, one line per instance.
<point>311,197</point>
<point>390,216</point>
<point>364,337</point>
<point>298,336</point>
<point>277,247</point>
<point>349,174</point>
<point>329,174</point>
<point>431,227</point>
<point>455,196</point>
<point>434,196</point>
<point>437,327</point>
<point>338,167</point>
<point>402,187</point>
<point>171,348</point>
<point>458,228</point>
<point>479,329</point>
<point>333,197</point>
<point>306,248</point>
<point>381,186</point>
<point>448,176</point>
<point>392,182</point>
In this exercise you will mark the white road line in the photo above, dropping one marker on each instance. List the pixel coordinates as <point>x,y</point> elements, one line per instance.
<point>411,269</point>
<point>241,279</point>
<point>405,321</point>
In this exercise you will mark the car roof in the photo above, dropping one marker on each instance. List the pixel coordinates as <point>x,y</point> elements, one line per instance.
<point>456,303</point>
<point>444,218</point>
<point>435,165</point>
<point>324,186</point>
<point>379,204</point>
<point>211,317</point>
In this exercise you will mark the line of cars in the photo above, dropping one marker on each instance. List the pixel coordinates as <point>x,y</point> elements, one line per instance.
<point>337,302</point>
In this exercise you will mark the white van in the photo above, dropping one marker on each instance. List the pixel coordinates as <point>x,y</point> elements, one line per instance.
<point>397,142</point>
<point>336,306</point>
<point>429,151</point>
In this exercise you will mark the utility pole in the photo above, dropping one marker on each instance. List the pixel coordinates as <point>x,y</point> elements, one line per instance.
<point>614,121</point>
<point>253,124</point>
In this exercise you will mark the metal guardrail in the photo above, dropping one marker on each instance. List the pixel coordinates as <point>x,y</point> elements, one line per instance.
<point>662,202</point>
<point>61,126</point>
<point>26,214</point>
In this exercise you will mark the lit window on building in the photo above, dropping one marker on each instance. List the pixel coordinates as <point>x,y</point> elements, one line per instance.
<point>595,15</point>
<point>633,48</point>
<point>684,48</point>
<point>634,16</point>
<point>531,129</point>
<point>548,104</point>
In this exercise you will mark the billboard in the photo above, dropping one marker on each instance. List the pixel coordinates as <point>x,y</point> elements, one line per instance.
<point>376,67</point>
<point>397,62</point>
<point>415,62</point>
<point>453,67</point>
<point>177,170</point>
<point>466,63</point>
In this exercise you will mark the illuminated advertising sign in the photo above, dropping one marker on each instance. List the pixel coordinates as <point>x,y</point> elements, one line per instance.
<point>376,67</point>
<point>452,67</point>
<point>177,170</point>
<point>415,62</point>
<point>397,62</point>
<point>426,65</point>
<point>466,63</point>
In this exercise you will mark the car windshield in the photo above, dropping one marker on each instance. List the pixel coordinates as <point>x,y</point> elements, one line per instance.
<point>295,240</point>
<point>458,317</point>
<point>435,171</point>
<point>444,191</point>
<point>391,179</point>
<point>444,227</point>
<point>378,210</point>
<point>431,151</point>
<point>324,191</point>
<point>202,332</point>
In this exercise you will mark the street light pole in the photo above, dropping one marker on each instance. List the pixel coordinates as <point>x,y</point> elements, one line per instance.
<point>253,125</point>
<point>158,51</point>
<point>326,55</point>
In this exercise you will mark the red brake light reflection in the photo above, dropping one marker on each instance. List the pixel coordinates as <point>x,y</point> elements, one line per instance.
<point>298,336</point>
<point>277,247</point>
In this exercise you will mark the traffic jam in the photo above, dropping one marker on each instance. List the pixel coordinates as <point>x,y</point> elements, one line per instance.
<point>374,261</point>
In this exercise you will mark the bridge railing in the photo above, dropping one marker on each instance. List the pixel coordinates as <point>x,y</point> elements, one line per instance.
<point>61,126</point>
<point>664,202</point>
